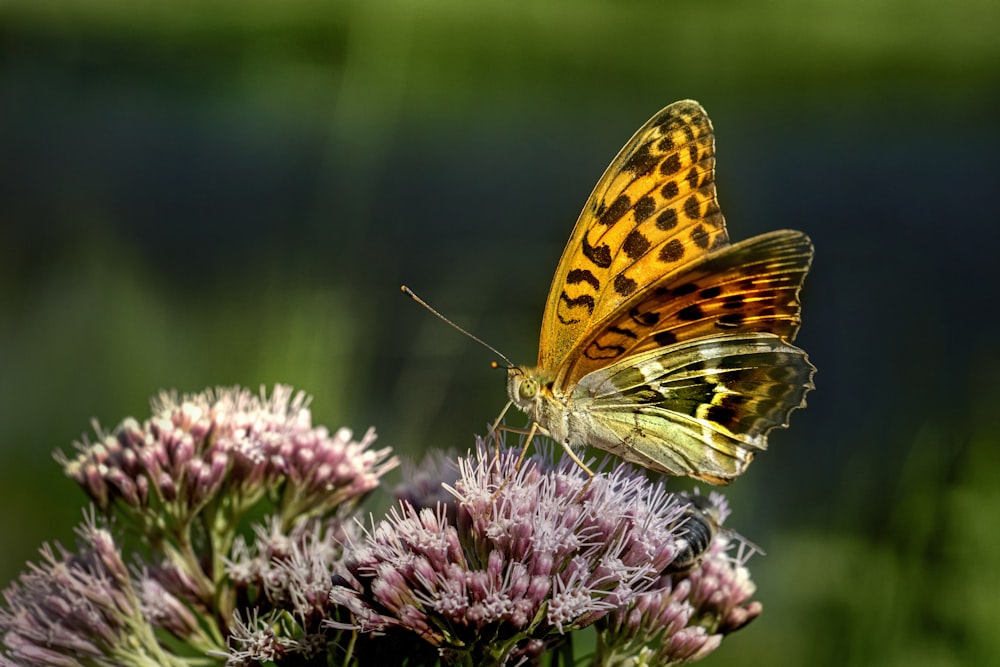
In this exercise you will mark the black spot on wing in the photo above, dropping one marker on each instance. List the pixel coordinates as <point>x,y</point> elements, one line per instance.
<point>690,313</point>
<point>670,190</point>
<point>733,301</point>
<point>647,319</point>
<point>583,276</point>
<point>641,162</point>
<point>692,207</point>
<point>692,178</point>
<point>722,415</point>
<point>614,212</point>
<point>584,300</point>
<point>667,219</point>
<point>636,244</point>
<point>600,255</point>
<point>734,400</point>
<point>671,251</point>
<point>624,285</point>
<point>671,165</point>
<point>700,237</point>
<point>665,338</point>
<point>644,208</point>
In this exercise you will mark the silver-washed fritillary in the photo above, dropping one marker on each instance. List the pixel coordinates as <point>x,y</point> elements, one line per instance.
<point>662,342</point>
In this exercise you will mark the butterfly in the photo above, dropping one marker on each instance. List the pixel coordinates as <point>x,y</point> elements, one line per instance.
<point>662,342</point>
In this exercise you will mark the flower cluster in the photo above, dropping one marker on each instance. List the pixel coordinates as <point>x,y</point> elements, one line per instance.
<point>80,608</point>
<point>181,484</point>
<point>284,581</point>
<point>226,442</point>
<point>535,552</point>
<point>486,560</point>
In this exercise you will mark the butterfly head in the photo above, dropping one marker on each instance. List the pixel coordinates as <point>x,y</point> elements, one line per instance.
<point>525,387</point>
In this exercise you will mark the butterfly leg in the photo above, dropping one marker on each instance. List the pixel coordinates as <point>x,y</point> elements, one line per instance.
<point>583,466</point>
<point>530,433</point>
<point>520,459</point>
<point>527,443</point>
<point>496,426</point>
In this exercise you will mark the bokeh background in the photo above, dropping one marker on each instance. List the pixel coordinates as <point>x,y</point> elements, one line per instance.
<point>197,194</point>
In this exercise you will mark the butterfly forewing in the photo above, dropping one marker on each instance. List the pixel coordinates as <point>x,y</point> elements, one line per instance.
<point>653,211</point>
<point>699,408</point>
<point>749,286</point>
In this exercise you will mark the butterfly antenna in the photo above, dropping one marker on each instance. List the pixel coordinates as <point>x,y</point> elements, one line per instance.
<point>410,293</point>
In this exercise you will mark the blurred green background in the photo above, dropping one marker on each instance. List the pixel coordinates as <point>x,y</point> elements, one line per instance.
<point>195,193</point>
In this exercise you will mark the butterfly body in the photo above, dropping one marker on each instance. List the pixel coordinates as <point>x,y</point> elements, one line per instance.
<point>662,342</point>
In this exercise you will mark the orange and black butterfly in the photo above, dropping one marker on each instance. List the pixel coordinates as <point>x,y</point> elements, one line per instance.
<point>662,342</point>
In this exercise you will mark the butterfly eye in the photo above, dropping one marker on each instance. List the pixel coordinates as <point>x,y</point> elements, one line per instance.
<point>528,389</point>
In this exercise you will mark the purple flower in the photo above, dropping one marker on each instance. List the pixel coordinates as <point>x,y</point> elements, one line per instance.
<point>181,481</point>
<point>685,617</point>
<point>228,442</point>
<point>201,462</point>
<point>525,560</point>
<point>79,608</point>
<point>254,641</point>
<point>289,577</point>
<point>289,571</point>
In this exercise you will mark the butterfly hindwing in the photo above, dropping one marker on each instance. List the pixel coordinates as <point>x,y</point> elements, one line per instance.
<point>700,408</point>
<point>653,211</point>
